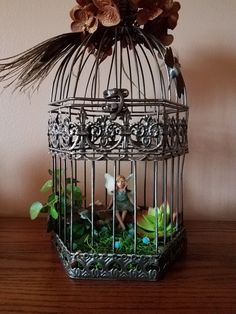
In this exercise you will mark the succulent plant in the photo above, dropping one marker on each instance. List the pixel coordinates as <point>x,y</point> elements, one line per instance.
<point>155,219</point>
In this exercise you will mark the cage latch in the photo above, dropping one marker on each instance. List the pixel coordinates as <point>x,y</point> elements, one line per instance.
<point>115,107</point>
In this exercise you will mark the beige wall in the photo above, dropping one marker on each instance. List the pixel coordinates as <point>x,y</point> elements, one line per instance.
<point>205,43</point>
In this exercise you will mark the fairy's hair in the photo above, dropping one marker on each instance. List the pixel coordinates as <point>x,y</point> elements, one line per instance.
<point>119,177</point>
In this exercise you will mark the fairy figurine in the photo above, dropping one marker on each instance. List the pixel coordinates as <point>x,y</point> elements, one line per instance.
<point>124,196</point>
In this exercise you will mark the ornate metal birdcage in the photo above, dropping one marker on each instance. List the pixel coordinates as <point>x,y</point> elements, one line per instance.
<point>117,134</point>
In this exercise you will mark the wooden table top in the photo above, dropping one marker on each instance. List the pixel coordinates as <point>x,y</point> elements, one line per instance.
<point>32,278</point>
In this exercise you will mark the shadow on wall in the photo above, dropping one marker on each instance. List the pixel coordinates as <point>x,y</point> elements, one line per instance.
<point>25,188</point>
<point>210,172</point>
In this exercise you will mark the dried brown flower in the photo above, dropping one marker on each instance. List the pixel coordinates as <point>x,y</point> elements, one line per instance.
<point>87,14</point>
<point>148,14</point>
<point>156,16</point>
<point>83,3</point>
<point>146,10</point>
<point>167,20</point>
<point>83,19</point>
<point>100,4</point>
<point>109,16</point>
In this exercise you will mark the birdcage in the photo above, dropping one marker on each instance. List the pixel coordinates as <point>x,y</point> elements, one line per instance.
<point>117,134</point>
<point>122,115</point>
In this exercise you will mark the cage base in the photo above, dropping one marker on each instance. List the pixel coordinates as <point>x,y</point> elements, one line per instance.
<point>121,266</point>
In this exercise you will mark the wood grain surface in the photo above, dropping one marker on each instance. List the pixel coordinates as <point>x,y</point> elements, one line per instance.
<point>32,279</point>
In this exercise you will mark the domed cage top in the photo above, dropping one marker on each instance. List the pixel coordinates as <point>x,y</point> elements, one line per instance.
<point>118,109</point>
<point>127,105</point>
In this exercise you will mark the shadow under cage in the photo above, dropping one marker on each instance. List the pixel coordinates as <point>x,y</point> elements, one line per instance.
<point>117,134</point>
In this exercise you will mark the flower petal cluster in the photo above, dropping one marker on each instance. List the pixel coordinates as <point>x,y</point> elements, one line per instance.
<point>87,15</point>
<point>146,10</point>
<point>155,16</point>
<point>167,20</point>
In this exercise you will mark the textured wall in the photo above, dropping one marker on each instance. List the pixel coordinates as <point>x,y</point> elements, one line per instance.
<point>205,43</point>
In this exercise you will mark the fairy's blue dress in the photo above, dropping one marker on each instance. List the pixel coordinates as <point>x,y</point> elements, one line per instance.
<point>123,202</point>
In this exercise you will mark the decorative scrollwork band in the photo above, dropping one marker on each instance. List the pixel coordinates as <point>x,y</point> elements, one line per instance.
<point>117,266</point>
<point>128,136</point>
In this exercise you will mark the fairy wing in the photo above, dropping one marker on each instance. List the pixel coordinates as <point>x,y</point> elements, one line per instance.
<point>130,181</point>
<point>109,183</point>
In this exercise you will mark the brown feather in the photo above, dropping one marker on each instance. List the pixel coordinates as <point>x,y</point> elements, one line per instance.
<point>30,68</point>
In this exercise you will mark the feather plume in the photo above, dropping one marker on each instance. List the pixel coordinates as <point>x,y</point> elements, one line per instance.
<point>31,67</point>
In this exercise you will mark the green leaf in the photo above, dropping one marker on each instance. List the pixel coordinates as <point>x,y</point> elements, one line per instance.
<point>68,180</point>
<point>35,209</point>
<point>50,172</point>
<point>59,172</point>
<point>62,202</point>
<point>47,186</point>
<point>145,224</point>
<point>150,219</point>
<point>45,208</point>
<point>69,188</point>
<point>77,194</point>
<point>166,207</point>
<point>152,211</point>
<point>150,222</point>
<point>53,212</point>
<point>149,234</point>
<point>78,230</point>
<point>160,218</point>
<point>52,199</point>
<point>152,234</point>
